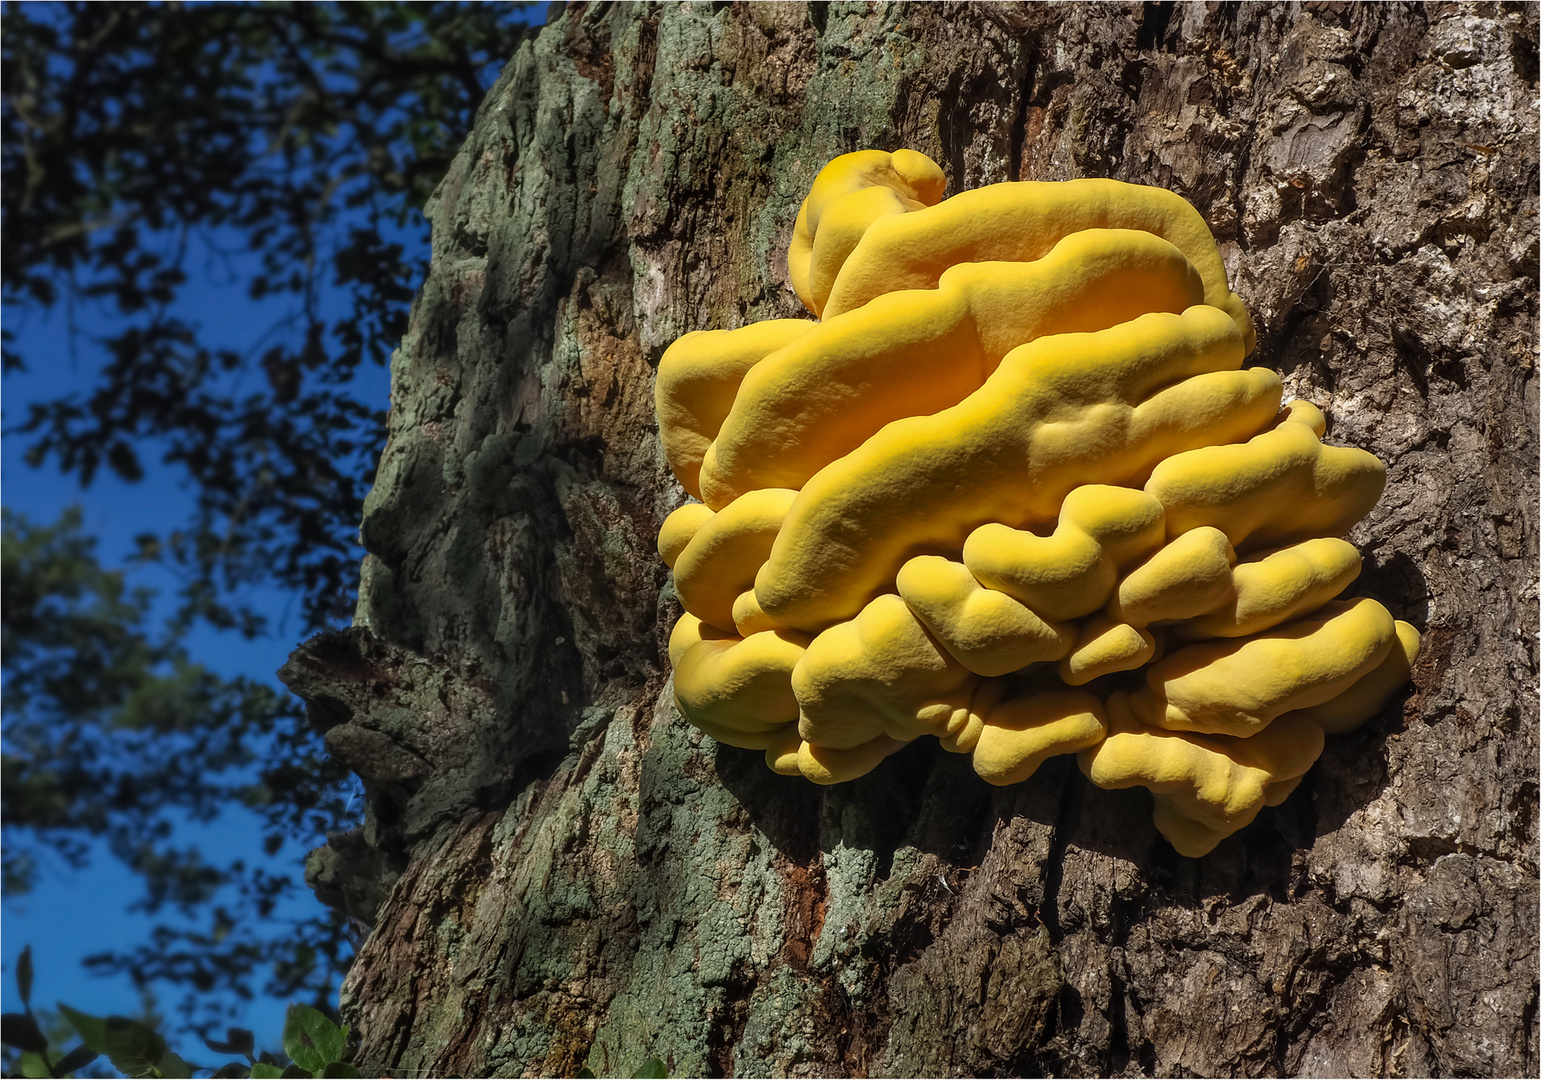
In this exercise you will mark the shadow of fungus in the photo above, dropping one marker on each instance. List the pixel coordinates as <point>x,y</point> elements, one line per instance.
<point>920,798</point>
<point>1016,489</point>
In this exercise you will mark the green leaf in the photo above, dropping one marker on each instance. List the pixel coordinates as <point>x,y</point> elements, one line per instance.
<point>312,1040</point>
<point>585,1073</point>
<point>231,1071</point>
<point>93,1029</point>
<point>21,1031</point>
<point>652,1069</point>
<point>341,1069</point>
<point>173,1065</point>
<point>237,1041</point>
<point>294,1071</point>
<point>75,1060</point>
<point>133,1048</point>
<point>24,977</point>
<point>264,1071</point>
<point>34,1066</point>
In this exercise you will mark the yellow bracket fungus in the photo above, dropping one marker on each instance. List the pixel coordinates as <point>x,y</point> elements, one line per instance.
<point>912,354</point>
<point>1104,647</point>
<point>739,690</point>
<point>696,388</point>
<point>1275,586</point>
<point>988,632</point>
<point>1205,787</point>
<point>1024,732</point>
<point>849,195</point>
<point>1236,686</point>
<point>1071,572</point>
<point>725,551</point>
<point>1016,452</point>
<point>1190,576</point>
<point>879,673</point>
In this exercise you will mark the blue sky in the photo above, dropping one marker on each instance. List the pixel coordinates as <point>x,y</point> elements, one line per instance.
<point>72,914</point>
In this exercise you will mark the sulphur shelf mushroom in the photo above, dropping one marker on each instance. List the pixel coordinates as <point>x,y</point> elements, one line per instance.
<point>1012,487</point>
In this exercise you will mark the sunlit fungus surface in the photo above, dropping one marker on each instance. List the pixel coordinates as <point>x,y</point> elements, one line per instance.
<point>1015,489</point>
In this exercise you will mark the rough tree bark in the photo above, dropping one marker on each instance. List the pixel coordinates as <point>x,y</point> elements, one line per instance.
<point>559,871</point>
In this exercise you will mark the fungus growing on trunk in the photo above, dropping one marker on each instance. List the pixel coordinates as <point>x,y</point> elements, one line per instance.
<point>1019,453</point>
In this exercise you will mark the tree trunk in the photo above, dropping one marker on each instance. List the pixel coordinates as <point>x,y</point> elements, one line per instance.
<point>559,871</point>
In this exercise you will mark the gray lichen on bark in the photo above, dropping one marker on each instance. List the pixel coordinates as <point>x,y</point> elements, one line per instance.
<point>558,871</point>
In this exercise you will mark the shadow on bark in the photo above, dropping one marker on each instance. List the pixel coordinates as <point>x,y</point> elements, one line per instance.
<point>929,800</point>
